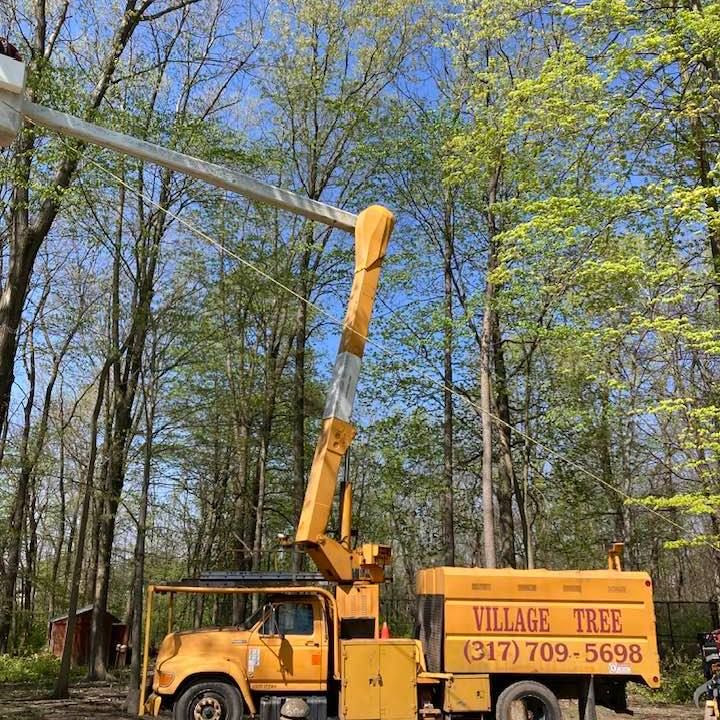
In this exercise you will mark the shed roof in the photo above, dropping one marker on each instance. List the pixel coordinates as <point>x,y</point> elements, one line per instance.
<point>84,611</point>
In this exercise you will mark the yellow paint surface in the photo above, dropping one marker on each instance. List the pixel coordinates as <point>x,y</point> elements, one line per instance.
<point>359,601</point>
<point>254,659</point>
<point>379,679</point>
<point>467,693</point>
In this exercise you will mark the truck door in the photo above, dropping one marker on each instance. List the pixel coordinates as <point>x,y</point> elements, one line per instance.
<point>288,648</point>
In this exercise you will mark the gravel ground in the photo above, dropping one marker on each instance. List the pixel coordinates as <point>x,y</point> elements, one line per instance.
<point>105,702</point>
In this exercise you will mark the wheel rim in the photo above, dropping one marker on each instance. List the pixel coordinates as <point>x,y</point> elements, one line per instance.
<point>208,707</point>
<point>529,708</point>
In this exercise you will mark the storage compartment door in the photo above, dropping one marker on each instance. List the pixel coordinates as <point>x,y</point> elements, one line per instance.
<point>360,694</point>
<point>398,691</point>
<point>467,693</point>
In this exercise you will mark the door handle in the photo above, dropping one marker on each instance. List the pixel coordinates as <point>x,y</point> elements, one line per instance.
<point>311,643</point>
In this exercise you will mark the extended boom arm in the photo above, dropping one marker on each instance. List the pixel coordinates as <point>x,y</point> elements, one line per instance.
<point>338,560</point>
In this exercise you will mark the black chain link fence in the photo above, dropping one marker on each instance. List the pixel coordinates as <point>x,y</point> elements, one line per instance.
<point>679,622</point>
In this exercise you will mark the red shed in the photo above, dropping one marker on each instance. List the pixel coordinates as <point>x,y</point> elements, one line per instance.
<point>116,633</point>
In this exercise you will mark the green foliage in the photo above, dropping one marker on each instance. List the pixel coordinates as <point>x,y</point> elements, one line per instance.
<point>680,677</point>
<point>38,668</point>
<point>691,503</point>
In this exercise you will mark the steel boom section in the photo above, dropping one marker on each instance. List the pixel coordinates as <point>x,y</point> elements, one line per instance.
<point>337,560</point>
<point>209,172</point>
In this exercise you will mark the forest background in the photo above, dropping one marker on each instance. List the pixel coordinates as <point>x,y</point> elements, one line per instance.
<point>542,377</point>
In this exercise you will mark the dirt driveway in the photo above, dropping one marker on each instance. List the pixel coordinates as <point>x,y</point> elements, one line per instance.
<point>645,711</point>
<point>104,701</point>
<point>88,701</point>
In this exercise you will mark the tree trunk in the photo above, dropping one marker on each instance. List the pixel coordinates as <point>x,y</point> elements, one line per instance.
<point>18,512</point>
<point>496,361</point>
<point>298,436</point>
<point>260,483</point>
<point>507,481</point>
<point>31,551</point>
<point>61,684</point>
<point>57,559</point>
<point>71,545</point>
<point>486,348</point>
<point>524,495</point>
<point>447,503</point>
<point>487,479</point>
<point>133,695</point>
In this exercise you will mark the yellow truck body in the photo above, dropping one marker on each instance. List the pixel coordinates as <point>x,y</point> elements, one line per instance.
<point>541,622</point>
<point>480,632</point>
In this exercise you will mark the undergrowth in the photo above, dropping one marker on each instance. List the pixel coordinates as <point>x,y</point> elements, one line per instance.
<point>679,677</point>
<point>40,668</point>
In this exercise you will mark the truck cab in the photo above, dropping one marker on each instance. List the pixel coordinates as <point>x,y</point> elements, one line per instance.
<point>282,650</point>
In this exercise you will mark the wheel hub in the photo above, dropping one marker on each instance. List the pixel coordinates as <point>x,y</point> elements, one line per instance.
<point>208,708</point>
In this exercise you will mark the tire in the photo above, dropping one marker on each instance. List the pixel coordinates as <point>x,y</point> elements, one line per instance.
<point>209,700</point>
<point>527,700</point>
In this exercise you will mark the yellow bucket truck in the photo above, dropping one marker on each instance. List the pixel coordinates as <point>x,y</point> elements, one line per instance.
<point>501,644</point>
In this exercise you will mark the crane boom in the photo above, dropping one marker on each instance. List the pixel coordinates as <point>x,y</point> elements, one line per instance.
<point>14,107</point>
<point>337,559</point>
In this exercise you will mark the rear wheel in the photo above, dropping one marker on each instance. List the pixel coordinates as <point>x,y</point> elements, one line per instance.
<point>527,700</point>
<point>209,700</point>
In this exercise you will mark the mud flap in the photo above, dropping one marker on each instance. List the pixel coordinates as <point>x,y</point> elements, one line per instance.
<point>612,694</point>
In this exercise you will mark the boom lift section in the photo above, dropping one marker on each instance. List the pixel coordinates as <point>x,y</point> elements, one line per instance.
<point>15,108</point>
<point>337,560</point>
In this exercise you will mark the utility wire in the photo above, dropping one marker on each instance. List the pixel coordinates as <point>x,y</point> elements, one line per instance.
<point>379,346</point>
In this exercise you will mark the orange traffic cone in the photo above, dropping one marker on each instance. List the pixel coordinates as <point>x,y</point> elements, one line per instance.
<point>385,632</point>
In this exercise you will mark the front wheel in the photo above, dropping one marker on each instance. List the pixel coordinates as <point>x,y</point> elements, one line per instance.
<point>527,700</point>
<point>209,701</point>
